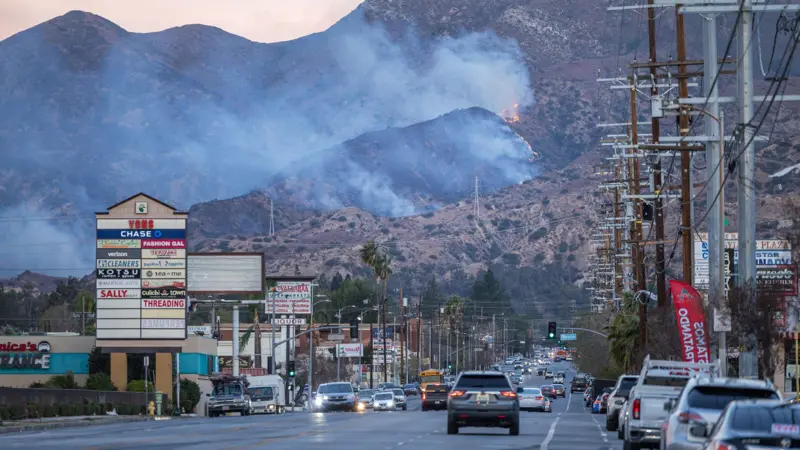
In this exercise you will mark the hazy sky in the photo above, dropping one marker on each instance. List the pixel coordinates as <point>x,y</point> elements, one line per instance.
<point>257,20</point>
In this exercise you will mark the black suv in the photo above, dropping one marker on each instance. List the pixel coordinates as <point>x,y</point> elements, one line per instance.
<point>483,399</point>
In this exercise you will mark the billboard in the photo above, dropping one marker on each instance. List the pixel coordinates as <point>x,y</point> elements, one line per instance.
<point>290,297</point>
<point>349,350</point>
<point>779,280</point>
<point>141,271</point>
<point>220,273</point>
<point>769,253</point>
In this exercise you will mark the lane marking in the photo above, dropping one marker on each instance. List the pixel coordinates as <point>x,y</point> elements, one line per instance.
<point>550,434</point>
<point>603,434</point>
<point>569,400</point>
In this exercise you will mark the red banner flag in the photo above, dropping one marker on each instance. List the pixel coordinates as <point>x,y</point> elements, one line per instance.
<point>691,319</point>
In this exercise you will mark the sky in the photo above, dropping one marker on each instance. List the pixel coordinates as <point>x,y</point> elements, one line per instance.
<point>257,20</point>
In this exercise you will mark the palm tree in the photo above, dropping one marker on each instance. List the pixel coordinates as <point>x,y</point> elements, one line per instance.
<point>623,335</point>
<point>454,316</point>
<point>381,265</point>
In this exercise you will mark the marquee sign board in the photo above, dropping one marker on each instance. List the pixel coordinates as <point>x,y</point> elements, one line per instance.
<point>141,270</point>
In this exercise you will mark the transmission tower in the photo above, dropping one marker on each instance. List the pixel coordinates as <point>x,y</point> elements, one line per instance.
<point>477,211</point>
<point>271,218</point>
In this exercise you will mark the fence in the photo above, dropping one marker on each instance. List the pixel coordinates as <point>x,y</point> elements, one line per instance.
<point>55,397</point>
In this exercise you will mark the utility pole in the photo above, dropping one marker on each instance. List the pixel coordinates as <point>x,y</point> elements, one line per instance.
<point>385,347</point>
<point>686,156</point>
<point>637,248</point>
<point>402,337</point>
<point>419,335</point>
<point>715,172</point>
<point>658,205</point>
<point>746,180</point>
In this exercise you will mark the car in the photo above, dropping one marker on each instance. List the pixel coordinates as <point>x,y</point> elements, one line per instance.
<point>483,399</point>
<point>558,378</point>
<point>410,389</point>
<point>617,398</point>
<point>400,399</point>
<point>701,404</point>
<point>549,391</point>
<point>579,383</point>
<point>588,398</point>
<point>549,374</point>
<point>560,389</point>
<point>753,424</point>
<point>384,401</point>
<point>336,397</point>
<point>365,397</point>
<point>434,397</point>
<point>531,399</point>
<point>387,386</point>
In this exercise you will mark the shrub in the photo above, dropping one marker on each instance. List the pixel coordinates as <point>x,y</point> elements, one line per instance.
<point>190,395</point>
<point>100,382</point>
<point>139,386</point>
<point>66,381</point>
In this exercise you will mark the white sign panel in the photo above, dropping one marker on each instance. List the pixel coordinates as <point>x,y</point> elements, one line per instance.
<point>205,330</point>
<point>166,283</point>
<point>164,253</point>
<point>118,284</point>
<point>164,273</point>
<point>163,323</point>
<point>118,293</point>
<point>119,243</point>
<point>210,273</point>
<point>292,297</point>
<point>349,350</point>
<point>118,263</point>
<point>163,264</point>
<point>163,303</point>
<point>296,321</point>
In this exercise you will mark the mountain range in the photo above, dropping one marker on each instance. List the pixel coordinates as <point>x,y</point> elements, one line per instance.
<point>375,128</point>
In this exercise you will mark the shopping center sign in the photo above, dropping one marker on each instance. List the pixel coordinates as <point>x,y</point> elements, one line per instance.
<point>25,355</point>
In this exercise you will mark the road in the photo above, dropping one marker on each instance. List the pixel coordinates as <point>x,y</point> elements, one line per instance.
<point>568,427</point>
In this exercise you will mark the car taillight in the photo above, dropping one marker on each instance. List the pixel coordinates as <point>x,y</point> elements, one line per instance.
<point>686,417</point>
<point>539,398</point>
<point>457,393</point>
<point>637,409</point>
<point>508,394</point>
<point>424,395</point>
<point>722,446</point>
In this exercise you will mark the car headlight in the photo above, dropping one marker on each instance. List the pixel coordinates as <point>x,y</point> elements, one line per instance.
<point>391,403</point>
<point>318,401</point>
<point>324,397</point>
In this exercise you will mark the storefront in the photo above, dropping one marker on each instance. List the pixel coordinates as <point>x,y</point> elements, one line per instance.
<point>30,359</point>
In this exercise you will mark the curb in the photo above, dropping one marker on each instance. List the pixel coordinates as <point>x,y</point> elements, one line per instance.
<point>41,426</point>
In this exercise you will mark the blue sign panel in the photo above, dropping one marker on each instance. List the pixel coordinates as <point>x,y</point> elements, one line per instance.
<point>377,333</point>
<point>141,234</point>
<point>569,337</point>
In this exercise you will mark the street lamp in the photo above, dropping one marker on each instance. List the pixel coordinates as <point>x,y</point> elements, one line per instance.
<point>311,347</point>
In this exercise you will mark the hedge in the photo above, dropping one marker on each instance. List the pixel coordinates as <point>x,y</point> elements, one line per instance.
<point>32,411</point>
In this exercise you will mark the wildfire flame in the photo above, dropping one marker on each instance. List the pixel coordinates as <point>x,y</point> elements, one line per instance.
<point>512,115</point>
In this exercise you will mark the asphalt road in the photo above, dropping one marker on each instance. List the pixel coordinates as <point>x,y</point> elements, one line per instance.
<point>568,427</point>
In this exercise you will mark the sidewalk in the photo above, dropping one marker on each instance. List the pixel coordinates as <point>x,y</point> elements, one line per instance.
<point>48,423</point>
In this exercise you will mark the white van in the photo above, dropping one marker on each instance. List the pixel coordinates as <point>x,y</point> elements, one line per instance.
<point>266,394</point>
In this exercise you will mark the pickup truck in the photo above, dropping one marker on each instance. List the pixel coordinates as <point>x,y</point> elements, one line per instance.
<point>229,395</point>
<point>659,382</point>
<point>579,383</point>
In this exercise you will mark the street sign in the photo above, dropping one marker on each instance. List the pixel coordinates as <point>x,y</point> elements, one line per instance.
<point>288,321</point>
<point>336,337</point>
<point>569,337</point>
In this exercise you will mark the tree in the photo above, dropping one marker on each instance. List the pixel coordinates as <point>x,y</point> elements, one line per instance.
<point>336,281</point>
<point>757,314</point>
<point>623,335</point>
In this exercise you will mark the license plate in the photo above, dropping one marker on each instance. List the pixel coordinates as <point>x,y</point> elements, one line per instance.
<point>483,398</point>
<point>226,408</point>
<point>438,402</point>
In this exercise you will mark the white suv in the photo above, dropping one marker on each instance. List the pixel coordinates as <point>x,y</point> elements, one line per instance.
<point>701,402</point>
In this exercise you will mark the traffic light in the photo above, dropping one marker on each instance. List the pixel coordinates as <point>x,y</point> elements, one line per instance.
<point>291,369</point>
<point>354,329</point>
<point>551,330</point>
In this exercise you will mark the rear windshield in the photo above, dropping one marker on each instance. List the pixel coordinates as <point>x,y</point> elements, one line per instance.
<point>759,419</point>
<point>579,380</point>
<point>548,387</point>
<point>532,391</point>
<point>435,388</point>
<point>558,386</point>
<point>625,386</point>
<point>482,382</point>
<point>666,381</point>
<point>718,397</point>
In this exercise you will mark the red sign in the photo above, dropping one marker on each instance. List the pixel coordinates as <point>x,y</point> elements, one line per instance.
<point>141,224</point>
<point>163,243</point>
<point>692,326</point>
<point>164,303</point>
<point>18,347</point>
